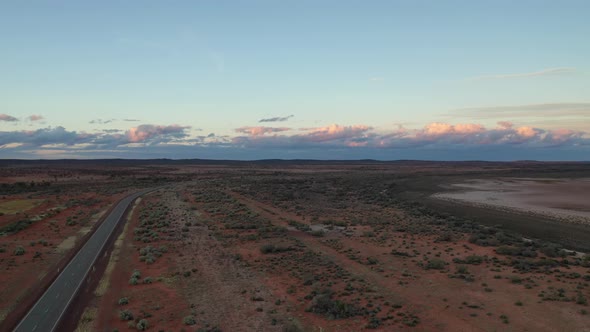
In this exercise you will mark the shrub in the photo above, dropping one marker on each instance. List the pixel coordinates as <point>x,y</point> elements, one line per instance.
<point>147,280</point>
<point>372,260</point>
<point>506,250</point>
<point>189,320</point>
<point>473,259</point>
<point>553,250</point>
<point>516,251</point>
<point>123,301</point>
<point>19,251</point>
<point>436,264</point>
<point>333,309</point>
<point>125,315</point>
<point>271,248</point>
<point>374,322</point>
<point>400,253</point>
<point>142,325</point>
<point>462,269</point>
<point>318,233</point>
<point>444,237</point>
<point>411,320</point>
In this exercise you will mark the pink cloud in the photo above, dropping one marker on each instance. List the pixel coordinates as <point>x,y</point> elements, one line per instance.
<point>334,132</point>
<point>440,129</point>
<point>143,133</point>
<point>35,117</point>
<point>526,132</point>
<point>260,130</point>
<point>7,118</point>
<point>357,144</point>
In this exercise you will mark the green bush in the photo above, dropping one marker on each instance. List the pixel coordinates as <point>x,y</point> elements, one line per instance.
<point>123,301</point>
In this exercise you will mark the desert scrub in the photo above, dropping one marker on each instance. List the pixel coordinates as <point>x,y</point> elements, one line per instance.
<point>318,233</point>
<point>473,259</point>
<point>125,315</point>
<point>411,320</point>
<point>374,323</point>
<point>516,251</point>
<point>135,276</point>
<point>123,301</point>
<point>189,320</point>
<point>19,251</point>
<point>333,309</point>
<point>271,249</point>
<point>142,325</point>
<point>372,261</point>
<point>462,269</point>
<point>150,254</point>
<point>436,264</point>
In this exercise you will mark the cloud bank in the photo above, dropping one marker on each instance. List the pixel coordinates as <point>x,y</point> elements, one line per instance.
<point>506,140</point>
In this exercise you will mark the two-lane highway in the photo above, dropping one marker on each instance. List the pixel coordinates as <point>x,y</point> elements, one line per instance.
<point>47,312</point>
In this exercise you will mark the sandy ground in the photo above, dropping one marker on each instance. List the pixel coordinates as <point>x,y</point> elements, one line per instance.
<point>564,199</point>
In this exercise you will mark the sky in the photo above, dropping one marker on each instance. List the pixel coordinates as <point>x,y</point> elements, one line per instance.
<point>387,80</point>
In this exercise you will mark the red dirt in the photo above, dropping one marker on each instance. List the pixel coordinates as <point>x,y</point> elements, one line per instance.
<point>261,248</point>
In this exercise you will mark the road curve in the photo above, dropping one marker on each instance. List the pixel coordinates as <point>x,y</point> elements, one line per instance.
<point>47,312</point>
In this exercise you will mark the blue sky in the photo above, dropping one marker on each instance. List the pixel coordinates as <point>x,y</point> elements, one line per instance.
<point>350,79</point>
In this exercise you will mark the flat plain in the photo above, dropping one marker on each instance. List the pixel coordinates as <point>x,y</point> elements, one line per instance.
<point>311,246</point>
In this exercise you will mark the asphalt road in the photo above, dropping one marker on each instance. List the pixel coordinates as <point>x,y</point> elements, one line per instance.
<point>48,310</point>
